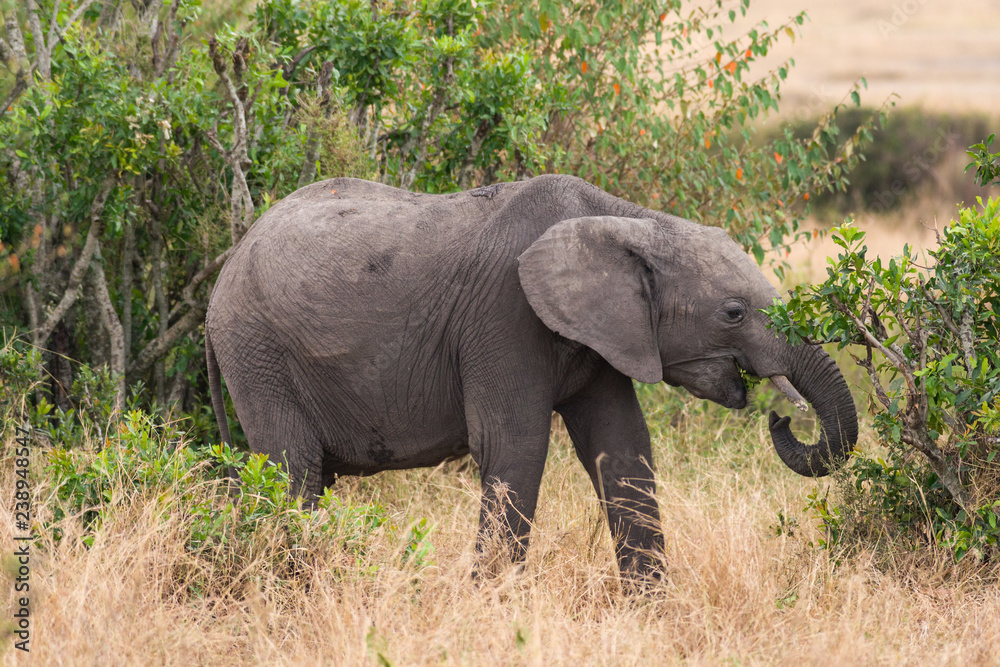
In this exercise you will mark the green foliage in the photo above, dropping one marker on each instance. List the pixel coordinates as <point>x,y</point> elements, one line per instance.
<point>652,102</point>
<point>433,105</point>
<point>987,164</point>
<point>18,381</point>
<point>932,352</point>
<point>150,125</point>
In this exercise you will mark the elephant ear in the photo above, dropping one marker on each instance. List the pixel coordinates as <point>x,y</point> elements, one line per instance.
<point>590,280</point>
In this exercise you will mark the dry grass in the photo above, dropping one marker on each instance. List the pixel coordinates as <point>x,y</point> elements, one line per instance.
<point>736,591</point>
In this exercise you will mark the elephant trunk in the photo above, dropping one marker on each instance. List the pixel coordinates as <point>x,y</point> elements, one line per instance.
<point>816,376</point>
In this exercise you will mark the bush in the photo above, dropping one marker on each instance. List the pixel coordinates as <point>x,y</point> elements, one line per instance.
<point>932,352</point>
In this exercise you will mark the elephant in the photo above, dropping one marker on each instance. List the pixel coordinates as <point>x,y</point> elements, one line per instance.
<point>362,328</point>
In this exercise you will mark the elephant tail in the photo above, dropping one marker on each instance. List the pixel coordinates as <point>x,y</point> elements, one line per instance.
<point>218,403</point>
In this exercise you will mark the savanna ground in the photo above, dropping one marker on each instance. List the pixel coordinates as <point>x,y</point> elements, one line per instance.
<point>747,580</point>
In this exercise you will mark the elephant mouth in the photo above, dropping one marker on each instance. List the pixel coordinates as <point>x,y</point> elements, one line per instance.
<point>780,382</point>
<point>717,379</point>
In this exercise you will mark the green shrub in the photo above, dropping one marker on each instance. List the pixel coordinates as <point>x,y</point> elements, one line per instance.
<point>987,164</point>
<point>932,352</point>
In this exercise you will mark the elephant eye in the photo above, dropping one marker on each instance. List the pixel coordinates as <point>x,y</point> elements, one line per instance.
<point>734,313</point>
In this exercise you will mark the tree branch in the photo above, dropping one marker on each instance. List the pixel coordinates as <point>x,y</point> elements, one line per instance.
<point>16,59</point>
<point>162,64</point>
<point>896,360</point>
<point>42,51</point>
<point>963,333</point>
<point>187,295</point>
<point>313,143</point>
<point>160,346</point>
<point>475,145</point>
<point>79,269</point>
<point>236,157</point>
<point>116,333</point>
<point>917,437</point>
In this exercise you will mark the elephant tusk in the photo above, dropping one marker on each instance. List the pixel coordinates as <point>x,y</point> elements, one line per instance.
<point>786,388</point>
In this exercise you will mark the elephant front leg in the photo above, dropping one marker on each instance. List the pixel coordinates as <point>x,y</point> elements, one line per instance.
<point>609,433</point>
<point>510,451</point>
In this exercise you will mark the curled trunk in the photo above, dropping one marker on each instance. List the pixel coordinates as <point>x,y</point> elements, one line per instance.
<point>816,376</point>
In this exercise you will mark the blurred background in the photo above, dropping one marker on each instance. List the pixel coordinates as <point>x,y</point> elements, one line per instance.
<point>938,60</point>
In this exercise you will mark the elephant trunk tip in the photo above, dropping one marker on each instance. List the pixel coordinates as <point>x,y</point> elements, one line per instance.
<point>824,388</point>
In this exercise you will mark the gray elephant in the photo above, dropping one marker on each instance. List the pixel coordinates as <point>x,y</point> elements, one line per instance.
<point>362,328</point>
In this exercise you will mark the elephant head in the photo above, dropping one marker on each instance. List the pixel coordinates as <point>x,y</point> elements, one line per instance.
<point>680,302</point>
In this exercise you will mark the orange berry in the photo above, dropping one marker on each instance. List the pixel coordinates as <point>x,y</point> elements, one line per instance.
<point>642,132</point>
<point>739,174</point>
<point>708,142</point>
<point>778,157</point>
<point>583,67</point>
<point>806,196</point>
<point>617,88</point>
<point>731,67</point>
<point>749,54</point>
<point>711,84</point>
<point>663,17</point>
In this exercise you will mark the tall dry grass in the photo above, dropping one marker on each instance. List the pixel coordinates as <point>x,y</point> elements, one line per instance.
<point>736,592</point>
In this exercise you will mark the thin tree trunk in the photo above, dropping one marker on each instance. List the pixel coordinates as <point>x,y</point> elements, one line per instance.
<point>314,142</point>
<point>61,369</point>
<point>108,20</point>
<point>42,54</point>
<point>478,139</point>
<point>128,278</point>
<point>159,297</point>
<point>116,333</point>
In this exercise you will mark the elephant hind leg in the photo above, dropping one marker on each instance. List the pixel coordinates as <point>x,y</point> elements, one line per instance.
<point>275,424</point>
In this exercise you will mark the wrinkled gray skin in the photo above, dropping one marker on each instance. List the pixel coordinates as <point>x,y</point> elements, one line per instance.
<point>362,328</point>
